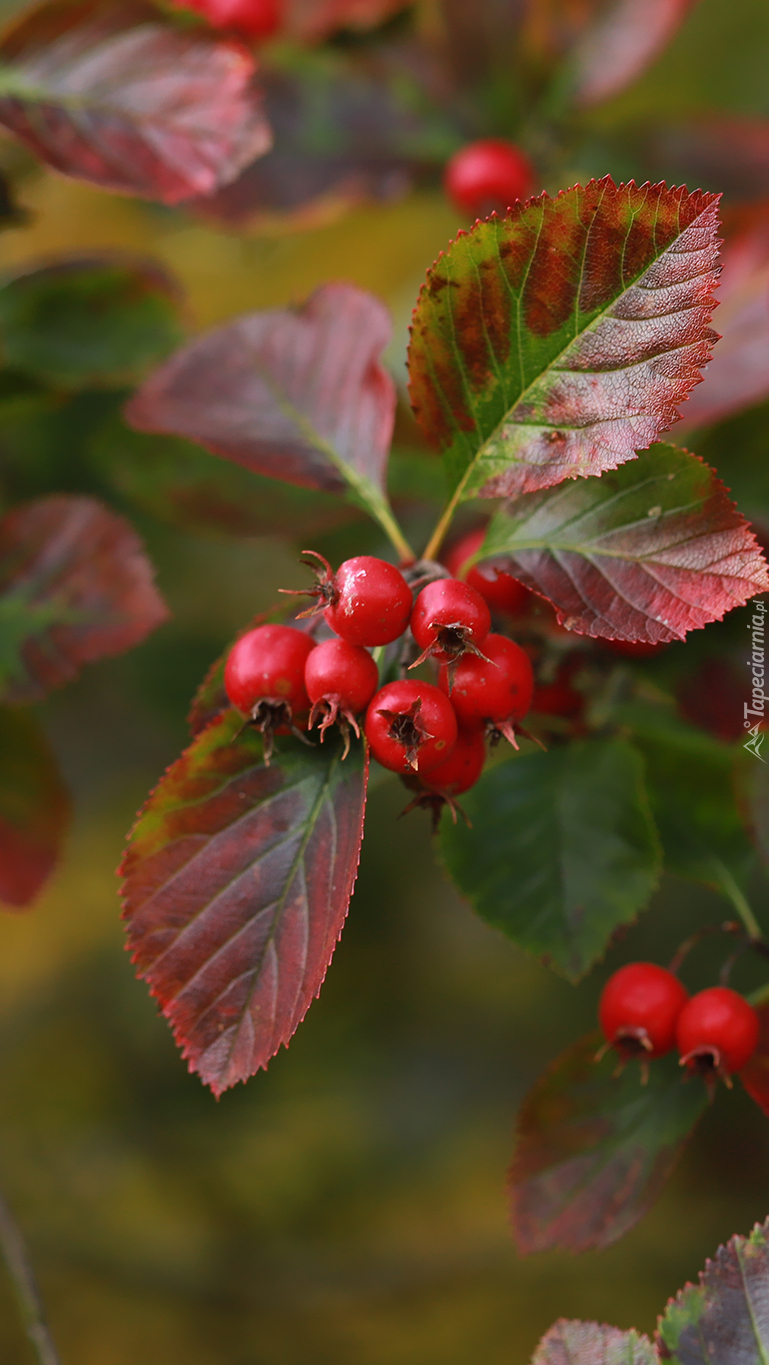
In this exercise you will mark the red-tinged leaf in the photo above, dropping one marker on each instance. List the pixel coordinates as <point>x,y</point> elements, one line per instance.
<point>621,44</point>
<point>109,94</point>
<point>755,1076</point>
<point>75,585</point>
<point>237,883</point>
<point>738,375</point>
<point>723,1320</point>
<point>298,394</point>
<point>560,339</point>
<point>594,1150</point>
<point>34,808</point>
<point>647,552</point>
<point>591,1343</point>
<point>311,20</point>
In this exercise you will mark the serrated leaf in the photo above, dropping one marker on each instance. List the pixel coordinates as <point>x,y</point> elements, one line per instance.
<point>755,1075</point>
<point>237,880</point>
<point>561,852</point>
<point>623,41</point>
<point>647,552</point>
<point>594,1150</point>
<point>75,585</point>
<point>108,94</point>
<point>591,1343</point>
<point>725,1318</point>
<point>34,808</point>
<point>86,320</point>
<point>560,339</point>
<point>297,394</point>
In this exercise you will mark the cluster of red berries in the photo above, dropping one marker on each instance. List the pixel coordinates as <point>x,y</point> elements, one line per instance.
<point>432,733</point>
<point>645,1011</point>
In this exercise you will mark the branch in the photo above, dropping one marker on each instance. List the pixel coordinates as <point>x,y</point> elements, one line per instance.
<point>16,1257</point>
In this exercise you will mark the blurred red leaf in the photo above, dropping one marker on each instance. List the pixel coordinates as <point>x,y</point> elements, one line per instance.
<point>109,94</point>
<point>560,339</point>
<point>738,374</point>
<point>755,1076</point>
<point>646,552</point>
<point>620,45</point>
<point>34,808</point>
<point>237,883</point>
<point>297,394</point>
<point>588,1343</point>
<point>594,1149</point>
<point>75,585</point>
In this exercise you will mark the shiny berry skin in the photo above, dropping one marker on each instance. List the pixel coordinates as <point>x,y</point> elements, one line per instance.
<point>449,618</point>
<point>487,176</point>
<point>639,1008</point>
<point>464,765</point>
<point>267,664</point>
<point>411,727</point>
<point>717,1031</point>
<point>496,586</point>
<point>254,19</point>
<point>370,602</point>
<point>496,689</point>
<point>338,669</point>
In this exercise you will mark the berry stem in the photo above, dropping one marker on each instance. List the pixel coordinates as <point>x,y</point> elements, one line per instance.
<point>19,1267</point>
<point>733,893</point>
<point>437,537</point>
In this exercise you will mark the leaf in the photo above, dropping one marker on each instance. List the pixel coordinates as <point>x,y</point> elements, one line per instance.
<point>725,1318</point>
<point>75,585</point>
<point>594,1151</point>
<point>738,375</point>
<point>561,852</point>
<point>85,320</point>
<point>558,340</point>
<point>647,552</point>
<point>34,808</point>
<point>108,94</point>
<point>237,883</point>
<point>297,394</point>
<point>755,1075</point>
<point>588,1343</point>
<point>620,45</point>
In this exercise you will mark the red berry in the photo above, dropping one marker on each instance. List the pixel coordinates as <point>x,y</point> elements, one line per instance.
<point>717,1032</point>
<point>264,678</point>
<point>496,690</point>
<point>340,679</point>
<point>639,1007</point>
<point>367,601</point>
<point>496,586</point>
<point>464,765</point>
<point>449,618</point>
<point>411,727</point>
<point>255,19</point>
<point>487,176</point>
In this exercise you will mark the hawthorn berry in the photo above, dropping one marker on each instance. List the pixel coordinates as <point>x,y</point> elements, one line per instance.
<point>367,601</point>
<point>264,678</point>
<point>449,619</point>
<point>639,1008</point>
<point>487,176</point>
<point>340,679</point>
<point>411,727</point>
<point>455,775</point>
<point>493,691</point>
<point>496,586</point>
<point>254,19</point>
<point>717,1032</point>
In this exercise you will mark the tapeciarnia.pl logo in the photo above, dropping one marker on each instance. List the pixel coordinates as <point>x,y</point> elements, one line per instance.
<point>758,697</point>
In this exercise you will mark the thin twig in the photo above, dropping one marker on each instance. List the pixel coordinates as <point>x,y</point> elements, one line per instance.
<point>19,1266</point>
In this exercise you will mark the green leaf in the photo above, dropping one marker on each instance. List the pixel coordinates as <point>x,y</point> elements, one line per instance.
<point>34,808</point>
<point>89,320</point>
<point>561,852</point>
<point>647,552</point>
<point>592,1343</point>
<point>559,340</point>
<point>594,1149</point>
<point>723,1320</point>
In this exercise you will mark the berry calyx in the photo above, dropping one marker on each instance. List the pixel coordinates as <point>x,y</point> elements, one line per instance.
<point>340,679</point>
<point>487,176</point>
<point>254,19</point>
<point>411,727</point>
<point>639,1008</point>
<point>367,601</point>
<point>717,1033</point>
<point>264,678</point>
<point>496,586</point>
<point>455,775</point>
<point>494,691</point>
<point>449,620</point>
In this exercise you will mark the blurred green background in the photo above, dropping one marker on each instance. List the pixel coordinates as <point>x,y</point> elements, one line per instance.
<point>348,1206</point>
